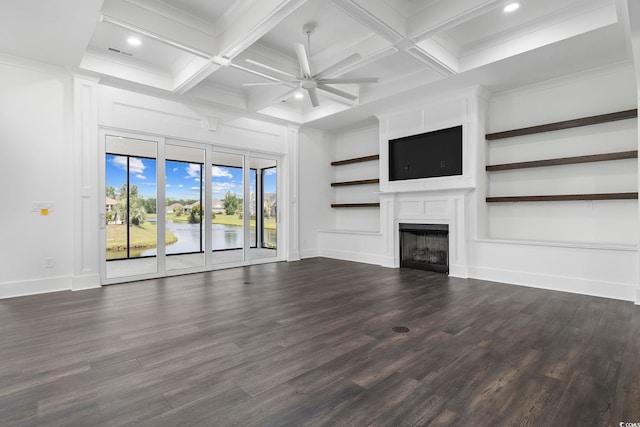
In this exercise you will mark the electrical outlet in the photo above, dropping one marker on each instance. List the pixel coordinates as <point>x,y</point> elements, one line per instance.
<point>49,262</point>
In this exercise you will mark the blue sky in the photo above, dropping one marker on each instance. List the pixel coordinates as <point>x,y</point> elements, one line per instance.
<point>182,179</point>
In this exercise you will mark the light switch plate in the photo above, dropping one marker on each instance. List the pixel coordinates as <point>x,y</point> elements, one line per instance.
<point>38,206</point>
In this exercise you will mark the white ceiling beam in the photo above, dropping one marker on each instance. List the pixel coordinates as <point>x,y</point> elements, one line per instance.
<point>369,13</point>
<point>556,29</point>
<point>436,56</point>
<point>192,74</point>
<point>447,14</point>
<point>245,25</point>
<point>393,28</point>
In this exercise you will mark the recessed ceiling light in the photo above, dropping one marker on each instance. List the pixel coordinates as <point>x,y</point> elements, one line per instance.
<point>298,95</point>
<point>511,7</point>
<point>134,41</point>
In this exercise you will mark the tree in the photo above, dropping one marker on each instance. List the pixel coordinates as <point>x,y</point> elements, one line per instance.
<point>195,216</point>
<point>137,213</point>
<point>268,208</point>
<point>178,211</point>
<point>110,192</point>
<point>230,203</point>
<point>150,205</point>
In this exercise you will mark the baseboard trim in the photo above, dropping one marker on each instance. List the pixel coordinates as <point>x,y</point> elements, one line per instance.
<point>293,256</point>
<point>459,271</point>
<point>33,287</point>
<point>310,253</point>
<point>575,285</point>
<point>90,281</point>
<point>358,257</point>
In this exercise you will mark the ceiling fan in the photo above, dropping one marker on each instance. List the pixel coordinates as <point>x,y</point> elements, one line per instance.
<point>310,82</point>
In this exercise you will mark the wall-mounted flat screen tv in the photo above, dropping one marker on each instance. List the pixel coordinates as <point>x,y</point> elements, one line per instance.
<point>427,155</point>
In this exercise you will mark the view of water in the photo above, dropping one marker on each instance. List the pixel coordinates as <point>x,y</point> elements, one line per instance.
<point>223,237</point>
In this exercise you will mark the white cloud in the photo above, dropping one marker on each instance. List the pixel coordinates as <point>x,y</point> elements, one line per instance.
<point>218,172</point>
<point>136,165</point>
<point>120,162</point>
<point>271,171</point>
<point>221,187</point>
<point>180,186</point>
<point>193,171</point>
<point>175,169</point>
<point>168,185</point>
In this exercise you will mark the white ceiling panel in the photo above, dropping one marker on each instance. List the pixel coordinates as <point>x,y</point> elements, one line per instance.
<point>409,45</point>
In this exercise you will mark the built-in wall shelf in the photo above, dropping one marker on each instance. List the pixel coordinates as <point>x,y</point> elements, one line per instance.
<point>567,124</point>
<point>359,182</point>
<point>356,182</point>
<point>356,160</point>
<point>564,197</point>
<point>564,161</point>
<point>355,205</point>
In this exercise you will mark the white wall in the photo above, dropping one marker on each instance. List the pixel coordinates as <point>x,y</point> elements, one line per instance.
<point>35,147</point>
<point>50,154</point>
<point>315,193</point>
<point>582,247</point>
<point>350,144</point>
<point>599,222</point>
<point>351,233</point>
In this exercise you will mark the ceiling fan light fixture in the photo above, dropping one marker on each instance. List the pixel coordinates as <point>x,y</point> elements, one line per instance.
<point>511,7</point>
<point>308,84</point>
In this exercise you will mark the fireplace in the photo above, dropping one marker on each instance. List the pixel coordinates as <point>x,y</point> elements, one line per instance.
<point>425,246</point>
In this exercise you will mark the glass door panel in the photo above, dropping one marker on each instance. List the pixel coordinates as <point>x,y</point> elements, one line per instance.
<point>267,213</point>
<point>184,207</point>
<point>130,206</point>
<point>227,207</point>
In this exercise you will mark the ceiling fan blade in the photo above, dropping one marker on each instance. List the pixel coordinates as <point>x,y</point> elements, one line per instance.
<point>347,80</point>
<point>303,59</point>
<point>337,92</point>
<point>270,68</point>
<point>346,62</point>
<point>313,96</point>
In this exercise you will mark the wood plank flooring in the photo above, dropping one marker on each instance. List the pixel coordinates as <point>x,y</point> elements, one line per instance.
<point>310,343</point>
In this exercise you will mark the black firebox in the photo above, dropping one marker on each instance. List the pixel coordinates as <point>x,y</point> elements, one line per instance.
<point>425,246</point>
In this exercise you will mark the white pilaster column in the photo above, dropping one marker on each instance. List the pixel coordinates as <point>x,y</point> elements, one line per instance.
<point>293,216</point>
<point>86,224</point>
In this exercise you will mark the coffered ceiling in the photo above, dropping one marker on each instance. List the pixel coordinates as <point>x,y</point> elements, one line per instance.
<point>210,50</point>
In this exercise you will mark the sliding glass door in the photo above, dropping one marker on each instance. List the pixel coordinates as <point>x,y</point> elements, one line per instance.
<point>227,207</point>
<point>130,206</point>
<point>184,207</point>
<point>175,207</point>
<point>266,217</point>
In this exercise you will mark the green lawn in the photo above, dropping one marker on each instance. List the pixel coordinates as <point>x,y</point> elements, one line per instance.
<point>141,237</point>
<point>270,223</point>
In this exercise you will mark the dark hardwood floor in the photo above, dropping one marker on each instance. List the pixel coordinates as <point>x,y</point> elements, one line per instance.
<point>310,343</point>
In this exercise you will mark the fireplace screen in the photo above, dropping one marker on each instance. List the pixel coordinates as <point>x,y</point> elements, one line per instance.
<point>425,246</point>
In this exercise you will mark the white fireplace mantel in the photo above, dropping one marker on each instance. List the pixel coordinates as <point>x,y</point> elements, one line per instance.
<point>441,207</point>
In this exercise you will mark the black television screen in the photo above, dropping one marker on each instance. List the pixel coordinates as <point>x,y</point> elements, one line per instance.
<point>427,155</point>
